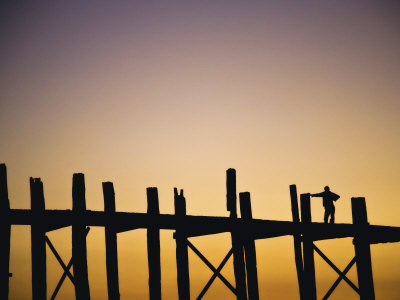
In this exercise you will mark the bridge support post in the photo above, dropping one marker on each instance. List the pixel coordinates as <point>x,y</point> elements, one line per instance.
<point>182,259</point>
<point>362,250</point>
<point>5,234</point>
<point>79,252</point>
<point>309,284</point>
<point>297,240</point>
<point>111,242</point>
<point>249,249</point>
<point>38,241</point>
<point>153,246</point>
<point>237,244</point>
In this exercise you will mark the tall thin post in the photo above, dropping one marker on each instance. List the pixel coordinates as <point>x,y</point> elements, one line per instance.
<point>153,246</point>
<point>79,252</point>
<point>310,289</point>
<point>111,242</point>
<point>182,261</point>
<point>38,241</point>
<point>237,243</point>
<point>297,240</point>
<point>5,234</point>
<point>362,250</point>
<point>249,249</point>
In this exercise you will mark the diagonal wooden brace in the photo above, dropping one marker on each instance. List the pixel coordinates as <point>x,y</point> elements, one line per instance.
<point>341,276</point>
<point>65,268</point>
<point>336,269</point>
<point>60,261</point>
<point>222,264</point>
<point>208,264</point>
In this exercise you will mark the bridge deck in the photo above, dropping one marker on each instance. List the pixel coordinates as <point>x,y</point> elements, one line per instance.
<point>204,225</point>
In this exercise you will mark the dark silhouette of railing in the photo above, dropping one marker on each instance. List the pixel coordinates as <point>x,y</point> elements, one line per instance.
<point>244,231</point>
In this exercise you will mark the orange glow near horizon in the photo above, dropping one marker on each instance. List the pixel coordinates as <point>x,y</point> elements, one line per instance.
<point>171,94</point>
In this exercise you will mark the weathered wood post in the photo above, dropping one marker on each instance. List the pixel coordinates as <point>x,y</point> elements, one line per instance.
<point>38,241</point>
<point>237,244</point>
<point>5,233</point>
<point>153,246</point>
<point>362,250</point>
<point>297,240</point>
<point>182,260</point>
<point>79,252</point>
<point>249,249</point>
<point>310,289</point>
<point>111,242</point>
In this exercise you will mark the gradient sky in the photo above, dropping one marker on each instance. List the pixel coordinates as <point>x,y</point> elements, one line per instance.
<point>173,93</point>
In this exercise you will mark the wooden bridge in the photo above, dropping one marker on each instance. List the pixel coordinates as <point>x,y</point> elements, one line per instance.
<point>244,231</point>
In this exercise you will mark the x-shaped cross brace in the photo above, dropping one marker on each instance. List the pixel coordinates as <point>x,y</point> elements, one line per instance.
<point>217,272</point>
<point>342,275</point>
<point>66,268</point>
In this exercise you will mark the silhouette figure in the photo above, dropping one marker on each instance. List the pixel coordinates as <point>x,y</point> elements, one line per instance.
<point>327,200</point>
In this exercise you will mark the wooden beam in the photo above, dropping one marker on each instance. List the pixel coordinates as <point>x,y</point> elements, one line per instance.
<point>5,234</point>
<point>256,227</point>
<point>211,267</point>
<point>310,289</point>
<point>237,241</point>
<point>65,273</point>
<point>38,241</point>
<point>362,250</point>
<point>153,246</point>
<point>298,257</point>
<point>215,275</point>
<point>79,252</point>
<point>249,249</point>
<point>231,197</point>
<point>342,275</point>
<point>182,258</point>
<point>111,243</point>
<point>60,261</point>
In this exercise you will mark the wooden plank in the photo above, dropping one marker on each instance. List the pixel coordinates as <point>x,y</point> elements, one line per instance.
<point>153,246</point>
<point>210,224</point>
<point>249,249</point>
<point>38,241</point>
<point>79,252</point>
<point>362,250</point>
<point>111,243</point>
<point>5,234</point>
<point>182,258</point>
<point>309,284</point>
<point>298,257</point>
<point>231,197</point>
<point>237,241</point>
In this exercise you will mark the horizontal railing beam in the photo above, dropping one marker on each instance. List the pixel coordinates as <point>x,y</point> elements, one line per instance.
<point>204,225</point>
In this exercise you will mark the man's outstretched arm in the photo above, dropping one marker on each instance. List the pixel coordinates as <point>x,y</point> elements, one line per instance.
<point>317,195</point>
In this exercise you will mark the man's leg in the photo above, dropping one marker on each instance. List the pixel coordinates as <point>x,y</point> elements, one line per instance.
<point>326,215</point>
<point>333,214</point>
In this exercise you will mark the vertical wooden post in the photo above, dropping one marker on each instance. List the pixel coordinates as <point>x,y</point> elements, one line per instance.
<point>237,244</point>
<point>310,289</point>
<point>231,192</point>
<point>249,249</point>
<point>79,252</point>
<point>182,260</point>
<point>362,250</point>
<point>297,240</point>
<point>38,241</point>
<point>153,246</point>
<point>5,233</point>
<point>111,242</point>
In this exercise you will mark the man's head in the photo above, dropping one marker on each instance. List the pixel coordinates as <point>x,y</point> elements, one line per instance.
<point>326,188</point>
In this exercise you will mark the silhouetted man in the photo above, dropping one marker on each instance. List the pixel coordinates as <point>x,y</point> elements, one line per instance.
<point>327,200</point>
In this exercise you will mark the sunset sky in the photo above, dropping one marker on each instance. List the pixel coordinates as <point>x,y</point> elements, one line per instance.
<point>173,93</point>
